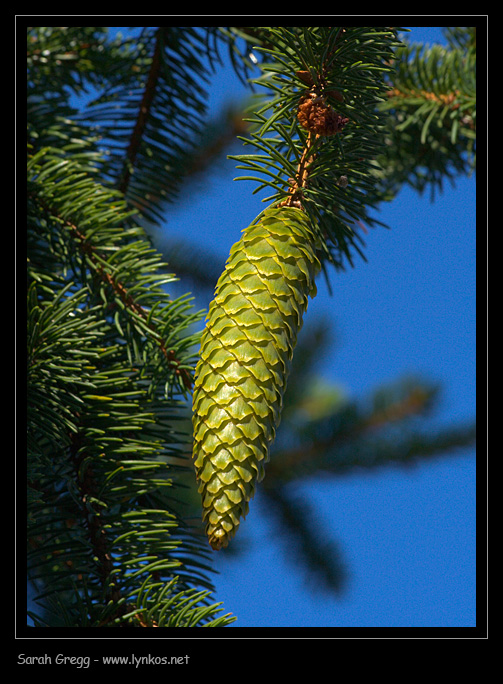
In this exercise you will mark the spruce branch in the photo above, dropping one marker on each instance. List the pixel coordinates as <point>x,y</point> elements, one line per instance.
<point>318,133</point>
<point>303,540</point>
<point>430,107</point>
<point>144,113</point>
<point>159,97</point>
<point>90,509</point>
<point>102,428</point>
<point>101,265</point>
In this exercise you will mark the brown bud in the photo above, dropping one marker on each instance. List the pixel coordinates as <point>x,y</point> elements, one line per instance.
<point>317,116</point>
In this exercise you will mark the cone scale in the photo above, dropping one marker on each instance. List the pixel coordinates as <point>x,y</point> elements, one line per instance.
<point>246,350</point>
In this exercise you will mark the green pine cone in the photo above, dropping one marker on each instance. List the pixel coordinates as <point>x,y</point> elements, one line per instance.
<point>246,350</point>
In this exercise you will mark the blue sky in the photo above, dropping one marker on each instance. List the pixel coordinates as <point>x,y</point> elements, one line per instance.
<point>408,537</point>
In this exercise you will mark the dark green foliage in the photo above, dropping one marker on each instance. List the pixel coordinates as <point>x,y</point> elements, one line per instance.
<point>110,359</point>
<point>347,66</point>
<point>431,108</point>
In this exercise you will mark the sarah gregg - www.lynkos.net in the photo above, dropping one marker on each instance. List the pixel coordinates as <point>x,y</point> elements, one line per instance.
<point>83,662</point>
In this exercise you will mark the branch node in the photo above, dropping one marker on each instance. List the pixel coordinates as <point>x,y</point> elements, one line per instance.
<point>317,116</point>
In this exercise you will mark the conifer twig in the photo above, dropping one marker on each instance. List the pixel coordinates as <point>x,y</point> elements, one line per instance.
<point>122,292</point>
<point>143,114</point>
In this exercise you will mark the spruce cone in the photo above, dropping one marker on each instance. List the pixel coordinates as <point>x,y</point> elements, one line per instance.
<point>246,350</point>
